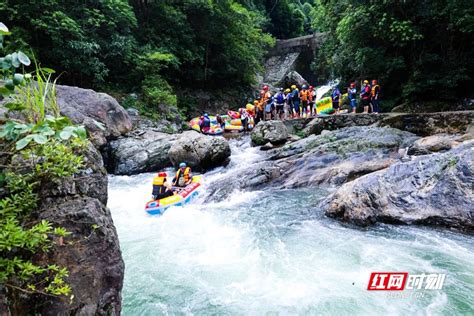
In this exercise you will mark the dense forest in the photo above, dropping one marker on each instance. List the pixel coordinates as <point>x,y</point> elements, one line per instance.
<point>419,50</point>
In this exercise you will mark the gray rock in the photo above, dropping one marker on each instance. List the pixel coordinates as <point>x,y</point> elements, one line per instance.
<point>267,146</point>
<point>434,143</point>
<point>87,107</point>
<point>274,132</point>
<point>338,156</point>
<point>277,67</point>
<point>201,152</point>
<point>431,190</point>
<point>146,151</point>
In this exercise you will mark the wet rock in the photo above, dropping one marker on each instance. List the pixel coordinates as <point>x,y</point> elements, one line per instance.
<point>338,156</point>
<point>92,109</point>
<point>142,152</point>
<point>267,146</point>
<point>434,143</point>
<point>201,152</point>
<point>430,190</point>
<point>274,132</point>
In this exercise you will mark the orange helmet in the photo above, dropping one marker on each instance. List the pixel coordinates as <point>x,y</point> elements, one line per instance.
<point>162,174</point>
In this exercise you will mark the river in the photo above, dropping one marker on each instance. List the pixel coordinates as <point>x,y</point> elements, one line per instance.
<point>272,252</point>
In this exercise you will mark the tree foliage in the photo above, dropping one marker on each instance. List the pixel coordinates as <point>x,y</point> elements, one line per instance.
<point>419,50</point>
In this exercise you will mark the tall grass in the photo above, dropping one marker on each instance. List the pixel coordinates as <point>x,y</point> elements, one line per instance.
<point>38,96</point>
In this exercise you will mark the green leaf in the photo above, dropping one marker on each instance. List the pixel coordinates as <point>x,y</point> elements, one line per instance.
<point>12,106</point>
<point>15,61</point>
<point>18,79</point>
<point>40,139</point>
<point>22,143</point>
<point>4,29</point>
<point>81,132</point>
<point>48,70</point>
<point>65,134</point>
<point>25,60</point>
<point>4,91</point>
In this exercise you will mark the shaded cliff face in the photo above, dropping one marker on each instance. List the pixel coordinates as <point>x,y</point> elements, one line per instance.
<point>91,253</point>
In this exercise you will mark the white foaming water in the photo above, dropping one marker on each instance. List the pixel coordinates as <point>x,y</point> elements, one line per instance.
<point>320,91</point>
<point>273,252</point>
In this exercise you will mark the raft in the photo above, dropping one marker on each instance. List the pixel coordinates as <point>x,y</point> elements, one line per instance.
<point>235,125</point>
<point>215,128</point>
<point>324,105</point>
<point>185,196</point>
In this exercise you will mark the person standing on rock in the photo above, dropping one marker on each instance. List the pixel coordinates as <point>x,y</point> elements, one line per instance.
<point>288,104</point>
<point>304,97</point>
<point>365,93</point>
<point>266,98</point>
<point>336,98</point>
<point>161,188</point>
<point>280,104</point>
<point>312,99</point>
<point>351,95</point>
<point>295,99</point>
<point>374,97</point>
<point>183,176</point>
<point>244,119</point>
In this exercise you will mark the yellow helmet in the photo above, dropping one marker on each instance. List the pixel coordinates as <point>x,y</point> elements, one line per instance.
<point>293,87</point>
<point>366,81</point>
<point>287,90</point>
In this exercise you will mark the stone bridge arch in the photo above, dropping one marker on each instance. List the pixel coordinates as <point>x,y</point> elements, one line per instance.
<point>290,59</point>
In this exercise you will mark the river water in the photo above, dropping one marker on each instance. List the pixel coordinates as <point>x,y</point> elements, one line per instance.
<point>274,253</point>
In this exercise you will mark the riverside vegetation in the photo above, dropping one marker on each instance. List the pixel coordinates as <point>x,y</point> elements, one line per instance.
<point>164,50</point>
<point>38,147</point>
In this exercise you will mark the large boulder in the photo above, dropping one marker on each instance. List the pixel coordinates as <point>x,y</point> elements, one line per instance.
<point>338,156</point>
<point>93,109</point>
<point>273,132</point>
<point>433,143</point>
<point>139,152</point>
<point>91,253</point>
<point>432,190</point>
<point>201,152</point>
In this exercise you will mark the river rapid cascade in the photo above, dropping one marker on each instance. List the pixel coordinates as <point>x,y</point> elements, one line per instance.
<point>272,251</point>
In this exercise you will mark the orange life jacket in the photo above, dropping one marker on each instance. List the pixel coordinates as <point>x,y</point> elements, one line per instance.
<point>304,95</point>
<point>375,90</point>
<point>187,171</point>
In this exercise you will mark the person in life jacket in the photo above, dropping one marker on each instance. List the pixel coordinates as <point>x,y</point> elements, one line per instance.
<point>295,99</point>
<point>304,97</point>
<point>312,98</point>
<point>161,188</point>
<point>244,118</point>
<point>365,96</point>
<point>266,100</point>
<point>280,104</point>
<point>374,96</point>
<point>336,96</point>
<point>258,110</point>
<point>351,95</point>
<point>250,109</point>
<point>288,104</point>
<point>269,108</point>
<point>205,123</point>
<point>183,176</point>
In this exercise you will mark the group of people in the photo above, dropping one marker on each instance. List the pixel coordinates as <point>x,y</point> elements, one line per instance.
<point>162,188</point>
<point>294,103</point>
<point>369,97</point>
<point>285,103</point>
